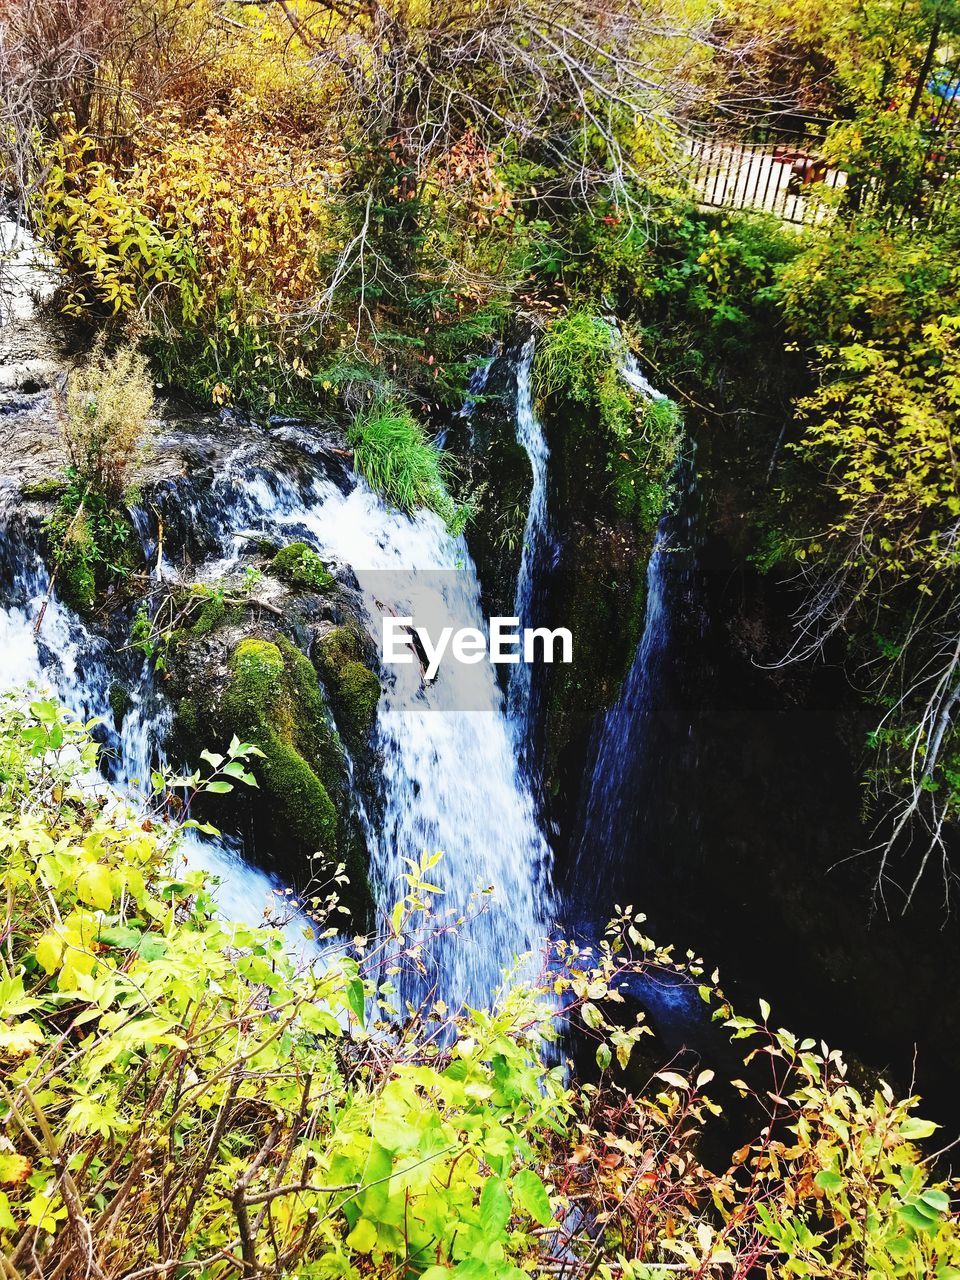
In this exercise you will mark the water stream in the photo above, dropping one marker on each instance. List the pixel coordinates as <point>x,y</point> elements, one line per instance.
<point>615,792</point>
<point>536,539</point>
<point>447,776</point>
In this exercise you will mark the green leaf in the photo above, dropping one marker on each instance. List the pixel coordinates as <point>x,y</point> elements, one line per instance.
<point>7,1222</point>
<point>914,1218</point>
<point>121,935</point>
<point>937,1199</point>
<point>531,1195</point>
<point>151,947</point>
<point>494,1207</point>
<point>318,1020</point>
<point>591,1015</point>
<point>356,998</point>
<point>219,788</point>
<point>913,1128</point>
<point>363,1237</point>
<point>829,1180</point>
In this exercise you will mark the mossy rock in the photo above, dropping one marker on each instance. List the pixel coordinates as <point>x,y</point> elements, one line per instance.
<point>598,585</point>
<point>188,720</point>
<point>120,701</point>
<point>273,699</point>
<point>354,689</point>
<point>50,487</point>
<point>300,566</point>
<point>76,581</point>
<point>92,550</point>
<point>262,703</point>
<point>212,613</point>
<point>600,595</point>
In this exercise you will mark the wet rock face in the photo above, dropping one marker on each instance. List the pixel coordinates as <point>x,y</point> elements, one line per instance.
<point>498,470</point>
<point>594,584</point>
<point>245,678</point>
<point>32,358</point>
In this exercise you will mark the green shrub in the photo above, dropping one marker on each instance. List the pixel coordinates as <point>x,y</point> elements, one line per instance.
<point>104,416</point>
<point>580,359</point>
<point>161,1065</point>
<point>93,545</point>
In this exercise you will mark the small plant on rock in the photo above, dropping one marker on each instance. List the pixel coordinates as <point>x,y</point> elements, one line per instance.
<point>104,412</point>
<point>300,566</point>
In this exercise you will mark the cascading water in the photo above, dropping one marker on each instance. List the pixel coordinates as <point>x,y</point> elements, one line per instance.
<point>615,794</point>
<point>448,776</point>
<point>46,646</point>
<point>536,539</point>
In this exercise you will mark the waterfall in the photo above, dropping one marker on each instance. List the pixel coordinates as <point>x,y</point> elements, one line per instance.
<point>448,778</point>
<point>616,790</point>
<point>448,774</point>
<point>79,667</point>
<point>447,771</point>
<point>530,436</point>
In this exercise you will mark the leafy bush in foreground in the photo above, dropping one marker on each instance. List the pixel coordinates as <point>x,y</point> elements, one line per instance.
<point>180,1099</point>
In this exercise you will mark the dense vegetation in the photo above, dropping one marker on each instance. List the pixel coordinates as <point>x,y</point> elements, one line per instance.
<point>337,209</point>
<point>179,1098</point>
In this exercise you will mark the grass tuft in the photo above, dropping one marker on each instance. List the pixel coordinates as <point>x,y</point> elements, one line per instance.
<point>395,457</point>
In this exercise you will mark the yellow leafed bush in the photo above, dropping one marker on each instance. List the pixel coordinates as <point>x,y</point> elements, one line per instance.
<point>215,237</point>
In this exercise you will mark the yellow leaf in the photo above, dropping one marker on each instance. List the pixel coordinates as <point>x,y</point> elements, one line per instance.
<point>48,951</point>
<point>94,888</point>
<point>19,1041</point>
<point>14,1167</point>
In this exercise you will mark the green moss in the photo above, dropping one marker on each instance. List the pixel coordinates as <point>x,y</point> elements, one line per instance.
<point>354,689</point>
<point>76,581</point>
<point>308,811</point>
<point>300,566</point>
<point>339,646</point>
<point>264,546</point>
<point>273,700</point>
<point>256,682</point>
<point>358,696</point>
<point>188,719</point>
<point>119,699</point>
<point>580,359</point>
<point>51,487</point>
<point>212,612</point>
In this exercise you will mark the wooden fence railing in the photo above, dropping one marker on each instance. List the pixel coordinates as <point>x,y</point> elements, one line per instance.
<point>782,172</point>
<point>775,177</point>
